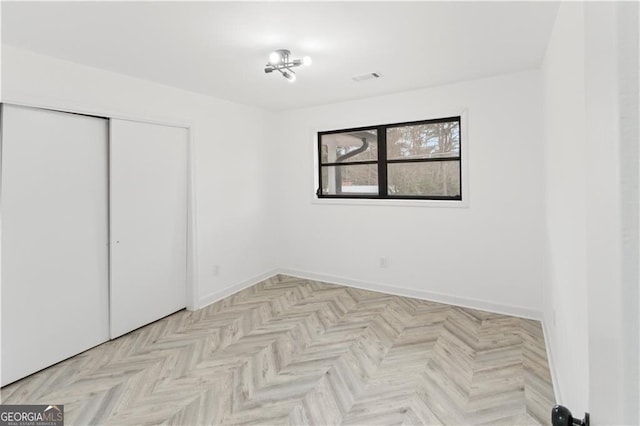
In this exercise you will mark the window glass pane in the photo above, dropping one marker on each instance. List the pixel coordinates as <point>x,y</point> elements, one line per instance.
<point>359,145</point>
<point>354,179</point>
<point>433,178</point>
<point>432,140</point>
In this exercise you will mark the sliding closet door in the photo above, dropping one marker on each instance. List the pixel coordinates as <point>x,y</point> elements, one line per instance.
<point>54,237</point>
<point>148,218</point>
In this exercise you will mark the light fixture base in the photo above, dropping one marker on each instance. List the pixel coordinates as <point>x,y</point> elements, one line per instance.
<point>284,53</point>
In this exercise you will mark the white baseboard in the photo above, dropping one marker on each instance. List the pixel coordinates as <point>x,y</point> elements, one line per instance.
<point>517,311</point>
<point>551,360</point>
<point>483,305</point>
<point>228,291</point>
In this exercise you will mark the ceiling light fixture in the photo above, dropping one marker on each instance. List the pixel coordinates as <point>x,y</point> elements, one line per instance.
<point>279,61</point>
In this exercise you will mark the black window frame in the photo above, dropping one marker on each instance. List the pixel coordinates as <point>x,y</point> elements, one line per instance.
<point>382,162</point>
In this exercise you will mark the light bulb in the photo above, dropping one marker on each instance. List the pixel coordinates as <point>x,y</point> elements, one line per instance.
<point>289,76</point>
<point>306,60</point>
<point>274,58</point>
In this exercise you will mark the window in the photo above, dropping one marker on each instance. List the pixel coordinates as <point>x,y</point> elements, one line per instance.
<point>416,160</point>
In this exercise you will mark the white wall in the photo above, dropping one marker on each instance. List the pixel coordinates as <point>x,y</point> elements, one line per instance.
<point>611,315</point>
<point>231,177</point>
<point>591,150</point>
<point>489,254</point>
<point>565,190</point>
<point>629,94</point>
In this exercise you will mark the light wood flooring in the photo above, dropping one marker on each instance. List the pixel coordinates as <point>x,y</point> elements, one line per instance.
<point>294,351</point>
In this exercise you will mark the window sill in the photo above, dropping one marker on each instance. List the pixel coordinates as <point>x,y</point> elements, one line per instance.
<point>390,203</point>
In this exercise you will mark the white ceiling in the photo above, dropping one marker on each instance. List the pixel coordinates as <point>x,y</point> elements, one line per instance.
<point>220,48</point>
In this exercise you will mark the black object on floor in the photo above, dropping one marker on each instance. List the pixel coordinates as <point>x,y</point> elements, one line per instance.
<point>561,416</point>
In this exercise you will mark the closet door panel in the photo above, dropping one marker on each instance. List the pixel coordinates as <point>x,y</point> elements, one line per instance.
<point>54,237</point>
<point>148,218</point>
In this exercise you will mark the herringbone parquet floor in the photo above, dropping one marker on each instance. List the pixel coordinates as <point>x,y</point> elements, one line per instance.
<point>294,351</point>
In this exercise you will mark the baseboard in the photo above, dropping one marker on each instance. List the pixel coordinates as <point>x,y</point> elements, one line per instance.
<point>228,291</point>
<point>517,311</point>
<point>483,305</point>
<point>552,365</point>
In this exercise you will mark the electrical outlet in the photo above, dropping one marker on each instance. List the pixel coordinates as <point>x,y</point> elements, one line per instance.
<point>216,270</point>
<point>384,262</point>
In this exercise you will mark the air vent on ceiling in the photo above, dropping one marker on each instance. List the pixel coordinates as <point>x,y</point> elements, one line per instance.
<point>367,76</point>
